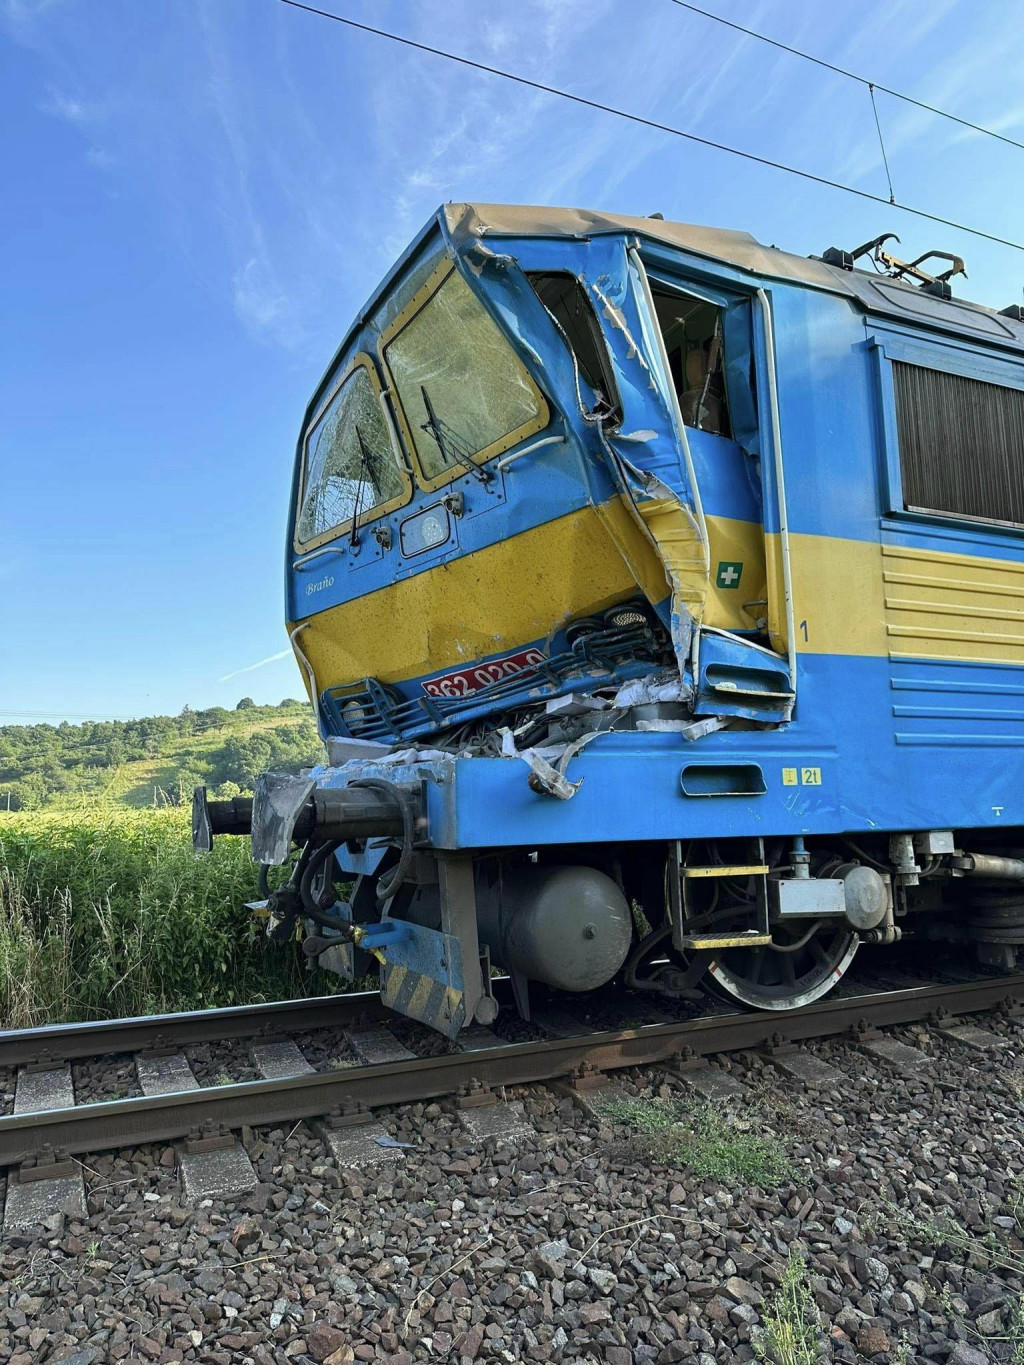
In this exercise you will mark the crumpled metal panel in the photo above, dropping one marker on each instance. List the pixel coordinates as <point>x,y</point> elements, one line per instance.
<point>276,803</point>
<point>423,979</point>
<point>719,244</point>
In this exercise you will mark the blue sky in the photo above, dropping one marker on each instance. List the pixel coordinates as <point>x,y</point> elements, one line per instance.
<point>200,193</point>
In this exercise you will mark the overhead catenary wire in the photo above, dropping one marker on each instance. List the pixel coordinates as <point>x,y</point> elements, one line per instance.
<point>850,75</point>
<point>651,123</point>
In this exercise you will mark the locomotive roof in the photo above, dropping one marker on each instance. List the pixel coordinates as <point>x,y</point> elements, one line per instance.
<point>876,293</point>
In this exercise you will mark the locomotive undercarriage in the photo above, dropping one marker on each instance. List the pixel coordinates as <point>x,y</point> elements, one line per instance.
<point>770,924</point>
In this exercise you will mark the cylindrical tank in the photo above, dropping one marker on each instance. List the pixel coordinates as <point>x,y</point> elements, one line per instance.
<point>567,926</point>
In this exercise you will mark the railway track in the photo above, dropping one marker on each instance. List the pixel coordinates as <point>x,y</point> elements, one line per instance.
<point>175,1105</point>
<point>66,1042</point>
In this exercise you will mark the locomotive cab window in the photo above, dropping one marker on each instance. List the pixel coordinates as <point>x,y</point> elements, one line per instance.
<point>567,302</point>
<point>961,445</point>
<point>692,330</point>
<point>463,393</point>
<point>351,465</point>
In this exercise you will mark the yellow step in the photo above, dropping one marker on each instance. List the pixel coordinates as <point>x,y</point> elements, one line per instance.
<point>749,939</point>
<point>742,870</point>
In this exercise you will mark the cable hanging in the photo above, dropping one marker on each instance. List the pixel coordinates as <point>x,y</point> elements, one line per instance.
<point>881,143</point>
<point>850,75</point>
<point>653,123</point>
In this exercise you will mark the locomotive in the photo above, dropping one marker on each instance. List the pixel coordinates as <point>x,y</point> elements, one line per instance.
<point>660,598</point>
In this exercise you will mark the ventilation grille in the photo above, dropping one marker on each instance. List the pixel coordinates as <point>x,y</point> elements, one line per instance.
<point>961,445</point>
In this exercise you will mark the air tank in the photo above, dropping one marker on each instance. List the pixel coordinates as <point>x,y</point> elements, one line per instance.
<point>569,927</point>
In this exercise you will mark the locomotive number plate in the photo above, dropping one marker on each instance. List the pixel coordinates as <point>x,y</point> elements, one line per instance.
<point>465,681</point>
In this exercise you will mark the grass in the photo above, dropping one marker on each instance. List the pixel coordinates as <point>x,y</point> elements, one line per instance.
<point>704,1141</point>
<point>106,912</point>
<point>788,1334</point>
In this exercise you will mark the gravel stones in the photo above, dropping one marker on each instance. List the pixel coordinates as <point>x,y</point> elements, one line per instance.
<point>962,1354</point>
<point>575,1245</point>
<point>872,1341</point>
<point>99,1079</point>
<point>323,1340</point>
<point>742,1291</point>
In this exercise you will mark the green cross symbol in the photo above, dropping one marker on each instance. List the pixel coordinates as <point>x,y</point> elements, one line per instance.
<point>729,573</point>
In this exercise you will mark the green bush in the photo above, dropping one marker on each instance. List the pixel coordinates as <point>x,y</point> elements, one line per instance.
<point>106,912</point>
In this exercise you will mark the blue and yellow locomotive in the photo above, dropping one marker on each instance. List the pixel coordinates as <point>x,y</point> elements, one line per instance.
<point>637,567</point>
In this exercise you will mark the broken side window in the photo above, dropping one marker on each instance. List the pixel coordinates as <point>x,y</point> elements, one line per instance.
<point>692,329</point>
<point>564,297</point>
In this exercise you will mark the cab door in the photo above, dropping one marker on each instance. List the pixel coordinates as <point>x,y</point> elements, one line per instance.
<point>698,335</point>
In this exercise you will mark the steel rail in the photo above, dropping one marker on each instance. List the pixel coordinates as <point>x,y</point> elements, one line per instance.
<point>159,1118</point>
<point>94,1038</point>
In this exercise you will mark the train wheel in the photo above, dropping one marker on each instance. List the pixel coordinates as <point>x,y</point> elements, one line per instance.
<point>797,968</point>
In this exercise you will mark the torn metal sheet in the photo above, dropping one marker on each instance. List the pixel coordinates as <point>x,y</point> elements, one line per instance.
<point>277,801</point>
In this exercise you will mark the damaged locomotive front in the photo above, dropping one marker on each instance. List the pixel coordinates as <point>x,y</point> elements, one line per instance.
<point>550,609</point>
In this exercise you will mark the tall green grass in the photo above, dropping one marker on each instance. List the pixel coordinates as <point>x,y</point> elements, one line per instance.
<point>106,912</point>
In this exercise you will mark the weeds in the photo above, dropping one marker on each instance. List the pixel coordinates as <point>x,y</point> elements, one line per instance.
<point>987,1252</point>
<point>106,911</point>
<point>1015,1331</point>
<point>1012,1337</point>
<point>789,1333</point>
<point>901,1353</point>
<point>704,1141</point>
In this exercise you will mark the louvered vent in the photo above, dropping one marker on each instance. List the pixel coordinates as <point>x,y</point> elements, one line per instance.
<point>961,444</point>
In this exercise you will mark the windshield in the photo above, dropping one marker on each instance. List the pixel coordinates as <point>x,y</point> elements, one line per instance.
<point>350,460</point>
<point>463,392</point>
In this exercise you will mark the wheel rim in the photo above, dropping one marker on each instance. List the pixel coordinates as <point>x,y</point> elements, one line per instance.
<point>769,979</point>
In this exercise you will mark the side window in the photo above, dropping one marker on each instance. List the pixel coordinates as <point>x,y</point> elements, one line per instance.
<point>351,467</point>
<point>961,444</point>
<point>692,330</point>
<point>463,393</point>
<point>565,299</point>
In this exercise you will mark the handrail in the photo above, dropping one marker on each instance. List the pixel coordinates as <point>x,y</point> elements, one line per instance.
<point>307,668</point>
<point>507,460</point>
<point>780,486</point>
<point>303,560</point>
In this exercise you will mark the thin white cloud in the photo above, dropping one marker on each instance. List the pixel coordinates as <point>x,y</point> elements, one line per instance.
<point>262,663</point>
<point>68,107</point>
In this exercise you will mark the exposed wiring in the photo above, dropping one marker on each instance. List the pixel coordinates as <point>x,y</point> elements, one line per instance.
<point>650,123</point>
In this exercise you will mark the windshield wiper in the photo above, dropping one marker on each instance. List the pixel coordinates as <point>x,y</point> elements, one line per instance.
<point>449,450</point>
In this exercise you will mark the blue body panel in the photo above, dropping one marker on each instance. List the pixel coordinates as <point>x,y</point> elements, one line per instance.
<point>884,740</point>
<point>865,769</point>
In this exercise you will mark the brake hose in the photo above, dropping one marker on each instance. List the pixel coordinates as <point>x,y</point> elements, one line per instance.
<point>390,882</point>
<point>315,862</point>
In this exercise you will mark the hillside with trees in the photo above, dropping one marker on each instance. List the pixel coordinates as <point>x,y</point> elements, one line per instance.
<point>156,760</point>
